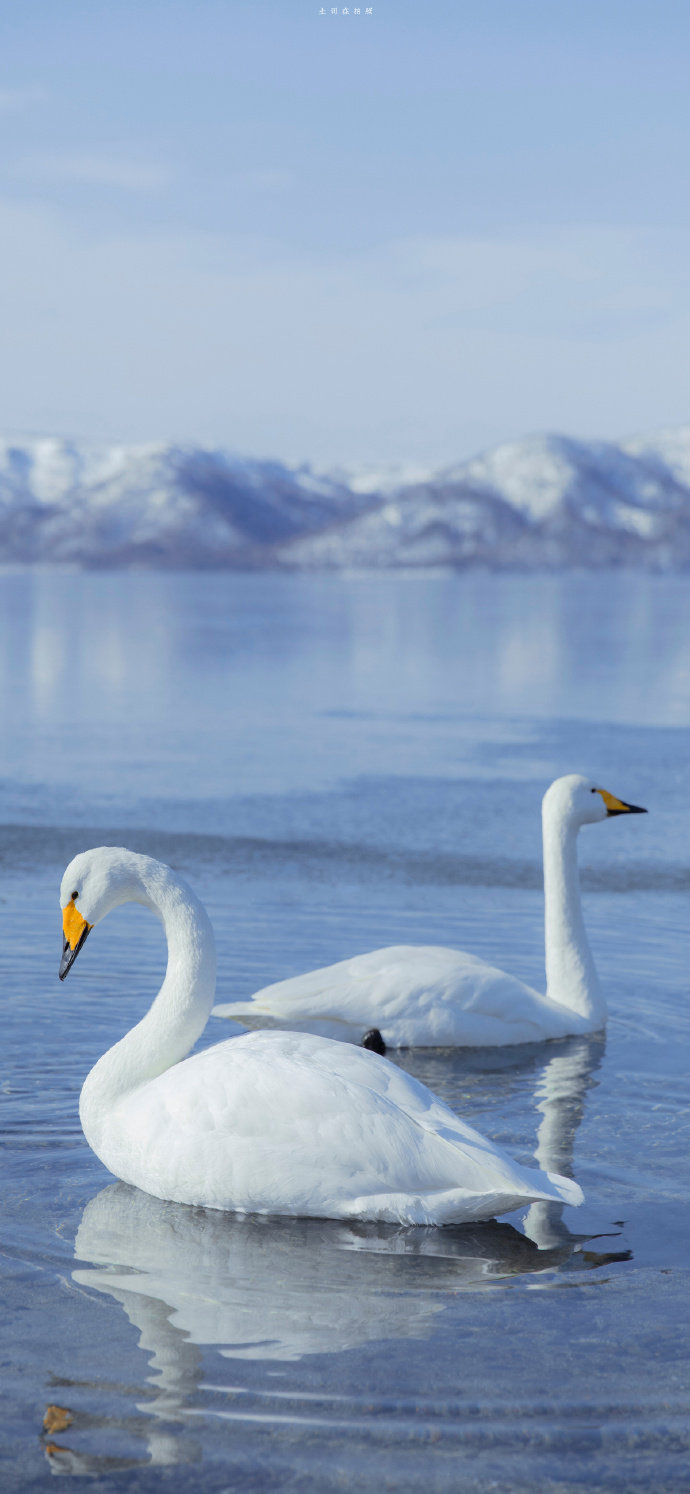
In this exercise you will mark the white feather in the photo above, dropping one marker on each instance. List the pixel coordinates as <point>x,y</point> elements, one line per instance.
<point>272,1122</point>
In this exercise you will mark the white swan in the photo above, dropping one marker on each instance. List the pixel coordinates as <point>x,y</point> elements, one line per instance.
<point>428,996</point>
<point>268,1122</point>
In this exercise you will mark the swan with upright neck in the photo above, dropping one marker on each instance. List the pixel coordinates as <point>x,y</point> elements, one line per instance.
<point>429,996</point>
<point>267,1122</point>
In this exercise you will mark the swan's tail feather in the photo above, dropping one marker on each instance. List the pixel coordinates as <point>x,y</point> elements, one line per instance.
<point>567,1191</point>
<point>254,1016</point>
<point>233,1028</point>
<point>457,1205</point>
<point>237,1009</point>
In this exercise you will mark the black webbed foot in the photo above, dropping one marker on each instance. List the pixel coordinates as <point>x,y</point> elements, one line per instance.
<point>373,1040</point>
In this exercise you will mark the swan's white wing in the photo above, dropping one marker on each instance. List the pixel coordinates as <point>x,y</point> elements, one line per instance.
<point>417,995</point>
<point>289,1123</point>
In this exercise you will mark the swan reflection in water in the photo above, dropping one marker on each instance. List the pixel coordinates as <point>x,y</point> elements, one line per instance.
<point>276,1289</point>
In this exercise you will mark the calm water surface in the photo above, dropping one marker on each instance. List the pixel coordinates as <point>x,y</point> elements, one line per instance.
<point>337,763</point>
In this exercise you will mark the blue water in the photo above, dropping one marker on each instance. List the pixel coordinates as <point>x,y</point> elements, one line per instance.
<point>336,763</point>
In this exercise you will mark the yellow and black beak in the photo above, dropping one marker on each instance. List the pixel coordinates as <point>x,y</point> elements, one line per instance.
<point>618,806</point>
<point>75,931</point>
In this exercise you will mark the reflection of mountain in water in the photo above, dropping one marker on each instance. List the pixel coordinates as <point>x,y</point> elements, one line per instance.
<point>276,1289</point>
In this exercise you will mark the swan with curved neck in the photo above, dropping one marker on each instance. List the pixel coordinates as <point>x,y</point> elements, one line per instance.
<point>267,1122</point>
<point>429,996</point>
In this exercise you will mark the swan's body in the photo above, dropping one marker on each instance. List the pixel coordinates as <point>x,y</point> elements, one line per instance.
<point>429,996</point>
<point>268,1122</point>
<point>418,995</point>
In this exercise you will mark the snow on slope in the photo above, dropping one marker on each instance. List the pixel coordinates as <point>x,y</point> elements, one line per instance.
<point>669,450</point>
<point>430,524</point>
<point>156,504</point>
<point>545,501</point>
<point>602,482</point>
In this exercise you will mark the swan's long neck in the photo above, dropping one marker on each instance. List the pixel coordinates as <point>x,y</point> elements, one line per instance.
<point>183,1004</point>
<point>571,977</point>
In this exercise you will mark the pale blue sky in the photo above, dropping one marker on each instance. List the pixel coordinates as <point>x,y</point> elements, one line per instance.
<point>396,237</point>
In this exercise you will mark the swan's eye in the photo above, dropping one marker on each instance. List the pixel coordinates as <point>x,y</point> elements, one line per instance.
<point>592,791</point>
<point>76,894</point>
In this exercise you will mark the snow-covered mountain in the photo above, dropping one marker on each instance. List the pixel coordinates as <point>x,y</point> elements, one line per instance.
<point>155,505</point>
<point>545,501</point>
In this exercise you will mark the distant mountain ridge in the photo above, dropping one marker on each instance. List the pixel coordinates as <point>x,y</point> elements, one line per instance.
<point>154,505</point>
<point>547,501</point>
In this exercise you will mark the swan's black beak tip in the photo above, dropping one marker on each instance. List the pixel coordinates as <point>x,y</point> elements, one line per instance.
<point>69,955</point>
